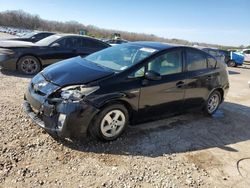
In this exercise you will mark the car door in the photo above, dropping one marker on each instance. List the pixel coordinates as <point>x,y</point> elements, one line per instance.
<point>61,49</point>
<point>202,77</point>
<point>164,96</point>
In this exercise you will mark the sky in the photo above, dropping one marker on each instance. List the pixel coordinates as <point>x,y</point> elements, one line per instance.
<point>225,22</point>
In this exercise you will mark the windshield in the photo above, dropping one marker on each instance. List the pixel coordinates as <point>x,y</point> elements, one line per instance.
<point>29,35</point>
<point>48,40</point>
<point>120,57</point>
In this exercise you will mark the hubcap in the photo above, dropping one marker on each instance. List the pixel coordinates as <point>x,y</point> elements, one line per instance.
<point>29,66</point>
<point>213,103</point>
<point>113,123</point>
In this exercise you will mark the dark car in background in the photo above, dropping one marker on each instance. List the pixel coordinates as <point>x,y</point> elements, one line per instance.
<point>32,36</point>
<point>125,84</point>
<point>29,58</point>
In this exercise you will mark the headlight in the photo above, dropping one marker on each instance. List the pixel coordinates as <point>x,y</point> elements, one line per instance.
<point>40,84</point>
<point>76,93</point>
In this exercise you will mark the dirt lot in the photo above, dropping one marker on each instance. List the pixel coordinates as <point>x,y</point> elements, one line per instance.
<point>189,150</point>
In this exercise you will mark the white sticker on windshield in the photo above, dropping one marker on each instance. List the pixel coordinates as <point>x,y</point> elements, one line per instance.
<point>150,50</point>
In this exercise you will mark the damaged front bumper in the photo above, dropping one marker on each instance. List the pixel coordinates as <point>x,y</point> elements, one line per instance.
<point>64,118</point>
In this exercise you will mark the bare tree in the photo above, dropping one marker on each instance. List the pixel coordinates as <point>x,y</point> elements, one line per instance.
<point>21,19</point>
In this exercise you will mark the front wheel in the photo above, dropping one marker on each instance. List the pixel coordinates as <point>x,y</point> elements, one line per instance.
<point>29,65</point>
<point>110,123</point>
<point>213,102</point>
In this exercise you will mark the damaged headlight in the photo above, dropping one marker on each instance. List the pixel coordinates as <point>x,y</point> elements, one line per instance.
<point>76,93</point>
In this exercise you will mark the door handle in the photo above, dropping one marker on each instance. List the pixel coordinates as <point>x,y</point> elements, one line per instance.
<point>180,84</point>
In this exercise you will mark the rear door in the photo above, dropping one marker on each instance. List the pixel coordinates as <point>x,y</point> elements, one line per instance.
<point>164,96</point>
<point>202,77</point>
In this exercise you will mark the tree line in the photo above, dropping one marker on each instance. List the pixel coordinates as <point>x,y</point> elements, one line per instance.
<point>21,19</point>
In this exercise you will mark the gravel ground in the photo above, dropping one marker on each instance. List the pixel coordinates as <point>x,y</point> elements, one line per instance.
<point>190,150</point>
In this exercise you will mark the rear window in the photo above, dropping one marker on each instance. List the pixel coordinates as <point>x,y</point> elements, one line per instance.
<point>196,60</point>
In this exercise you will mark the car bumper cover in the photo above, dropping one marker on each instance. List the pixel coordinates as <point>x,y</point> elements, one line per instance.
<point>65,119</point>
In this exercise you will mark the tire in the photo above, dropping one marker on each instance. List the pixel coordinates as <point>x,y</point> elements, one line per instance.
<point>231,63</point>
<point>213,102</point>
<point>110,123</point>
<point>28,65</point>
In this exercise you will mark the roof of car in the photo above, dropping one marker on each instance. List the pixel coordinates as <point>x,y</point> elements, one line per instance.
<point>156,45</point>
<point>74,35</point>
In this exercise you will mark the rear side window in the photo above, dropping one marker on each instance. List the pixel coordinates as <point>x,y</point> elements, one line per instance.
<point>90,43</point>
<point>67,42</point>
<point>196,60</point>
<point>211,62</point>
<point>168,63</point>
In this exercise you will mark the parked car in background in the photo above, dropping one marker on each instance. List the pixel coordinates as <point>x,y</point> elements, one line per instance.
<point>246,54</point>
<point>125,84</point>
<point>214,52</point>
<point>231,58</point>
<point>236,59</point>
<point>32,37</point>
<point>29,58</point>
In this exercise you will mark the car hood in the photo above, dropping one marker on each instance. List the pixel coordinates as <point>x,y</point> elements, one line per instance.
<point>15,43</point>
<point>74,71</point>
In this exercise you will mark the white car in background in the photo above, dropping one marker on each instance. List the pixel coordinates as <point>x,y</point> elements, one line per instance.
<point>246,53</point>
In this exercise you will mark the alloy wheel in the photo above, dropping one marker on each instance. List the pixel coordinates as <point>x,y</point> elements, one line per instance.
<point>213,103</point>
<point>113,123</point>
<point>29,66</point>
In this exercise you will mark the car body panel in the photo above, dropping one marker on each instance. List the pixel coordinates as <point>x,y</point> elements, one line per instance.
<point>84,72</point>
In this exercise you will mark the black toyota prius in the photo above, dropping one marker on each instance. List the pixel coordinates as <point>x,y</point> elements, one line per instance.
<point>129,83</point>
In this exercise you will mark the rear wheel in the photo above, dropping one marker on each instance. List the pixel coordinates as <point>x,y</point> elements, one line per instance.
<point>231,63</point>
<point>213,102</point>
<point>110,123</point>
<point>29,65</point>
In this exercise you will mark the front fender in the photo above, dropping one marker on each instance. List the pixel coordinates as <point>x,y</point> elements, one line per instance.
<point>129,99</point>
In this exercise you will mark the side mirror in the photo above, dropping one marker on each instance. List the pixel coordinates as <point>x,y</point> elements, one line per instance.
<point>152,75</point>
<point>55,45</point>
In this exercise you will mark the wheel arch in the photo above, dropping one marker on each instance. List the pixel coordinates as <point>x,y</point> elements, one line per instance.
<point>123,102</point>
<point>221,92</point>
